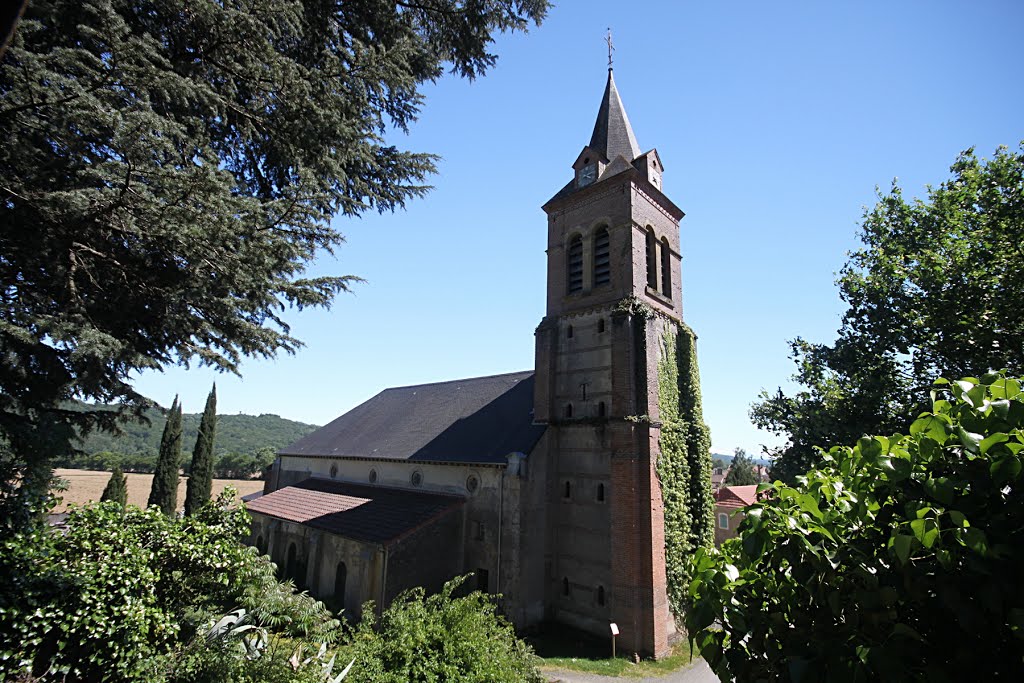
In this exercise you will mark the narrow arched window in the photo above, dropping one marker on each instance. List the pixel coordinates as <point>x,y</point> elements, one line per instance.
<point>565,586</point>
<point>600,493</point>
<point>602,409</point>
<point>574,265</point>
<point>652,269</point>
<point>568,332</point>
<point>568,410</point>
<point>600,595</point>
<point>602,262</point>
<point>600,325</point>
<point>666,268</point>
<point>567,493</point>
<point>259,545</point>
<point>340,578</point>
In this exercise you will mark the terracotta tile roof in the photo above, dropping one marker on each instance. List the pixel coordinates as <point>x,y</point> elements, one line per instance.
<point>479,420</point>
<point>736,496</point>
<point>374,514</point>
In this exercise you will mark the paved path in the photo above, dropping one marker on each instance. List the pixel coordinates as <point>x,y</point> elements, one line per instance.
<point>698,672</point>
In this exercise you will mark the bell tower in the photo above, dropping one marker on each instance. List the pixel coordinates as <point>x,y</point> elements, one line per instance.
<point>613,288</point>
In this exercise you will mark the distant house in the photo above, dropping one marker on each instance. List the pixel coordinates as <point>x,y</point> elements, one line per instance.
<point>718,475</point>
<point>729,502</point>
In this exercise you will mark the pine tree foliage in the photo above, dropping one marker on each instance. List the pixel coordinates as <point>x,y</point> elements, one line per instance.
<point>200,478</point>
<point>116,489</point>
<point>164,493</point>
<point>170,168</point>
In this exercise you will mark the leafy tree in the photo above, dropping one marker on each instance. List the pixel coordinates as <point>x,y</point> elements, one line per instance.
<point>171,169</point>
<point>897,559</point>
<point>116,489</point>
<point>128,595</point>
<point>937,290</point>
<point>440,638</point>
<point>164,491</point>
<point>200,478</point>
<point>741,472</point>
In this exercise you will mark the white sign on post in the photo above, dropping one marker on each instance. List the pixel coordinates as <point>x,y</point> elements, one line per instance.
<point>615,629</point>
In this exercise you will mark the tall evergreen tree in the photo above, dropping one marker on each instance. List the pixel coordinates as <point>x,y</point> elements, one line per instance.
<point>164,493</point>
<point>200,478</point>
<point>202,149</point>
<point>741,472</point>
<point>117,487</point>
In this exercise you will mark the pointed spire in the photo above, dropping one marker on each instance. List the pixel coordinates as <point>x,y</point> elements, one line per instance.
<point>613,136</point>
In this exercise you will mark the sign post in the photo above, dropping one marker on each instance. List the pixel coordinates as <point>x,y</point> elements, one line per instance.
<point>615,632</point>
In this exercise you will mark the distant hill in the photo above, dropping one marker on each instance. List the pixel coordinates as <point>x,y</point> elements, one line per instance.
<point>728,459</point>
<point>235,434</point>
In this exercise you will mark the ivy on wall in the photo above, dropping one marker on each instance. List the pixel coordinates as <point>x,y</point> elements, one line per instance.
<point>684,466</point>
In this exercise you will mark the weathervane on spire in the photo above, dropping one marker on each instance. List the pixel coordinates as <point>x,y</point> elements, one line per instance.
<point>608,39</point>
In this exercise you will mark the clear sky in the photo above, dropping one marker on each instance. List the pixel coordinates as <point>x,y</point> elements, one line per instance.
<point>775,121</point>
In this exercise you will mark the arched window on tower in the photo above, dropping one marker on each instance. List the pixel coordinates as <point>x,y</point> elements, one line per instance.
<point>666,268</point>
<point>574,265</point>
<point>652,259</point>
<point>602,263</point>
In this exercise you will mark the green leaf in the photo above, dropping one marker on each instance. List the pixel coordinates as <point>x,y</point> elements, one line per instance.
<point>925,531</point>
<point>941,489</point>
<point>933,426</point>
<point>992,440</point>
<point>970,440</point>
<point>1005,469</point>
<point>902,546</point>
<point>974,538</point>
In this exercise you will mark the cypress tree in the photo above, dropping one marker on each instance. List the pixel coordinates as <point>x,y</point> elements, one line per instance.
<point>117,487</point>
<point>200,478</point>
<point>164,493</point>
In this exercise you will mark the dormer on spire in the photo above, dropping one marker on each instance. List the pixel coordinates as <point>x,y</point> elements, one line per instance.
<point>613,136</point>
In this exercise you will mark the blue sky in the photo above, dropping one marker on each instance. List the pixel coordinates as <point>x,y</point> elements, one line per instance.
<point>775,121</point>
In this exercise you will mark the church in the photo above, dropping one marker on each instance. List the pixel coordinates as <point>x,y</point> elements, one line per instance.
<point>543,484</point>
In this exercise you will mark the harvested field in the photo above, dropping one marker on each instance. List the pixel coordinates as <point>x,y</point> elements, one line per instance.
<point>88,485</point>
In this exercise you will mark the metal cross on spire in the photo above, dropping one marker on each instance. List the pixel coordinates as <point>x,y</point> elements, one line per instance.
<point>608,39</point>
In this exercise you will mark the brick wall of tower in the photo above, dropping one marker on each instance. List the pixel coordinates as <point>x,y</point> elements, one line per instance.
<point>605,559</point>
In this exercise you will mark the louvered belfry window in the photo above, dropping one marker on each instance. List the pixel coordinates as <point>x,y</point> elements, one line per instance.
<point>652,270</point>
<point>575,265</point>
<point>666,268</point>
<point>602,264</point>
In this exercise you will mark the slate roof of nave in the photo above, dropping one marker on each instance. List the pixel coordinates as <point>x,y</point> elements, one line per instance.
<point>476,420</point>
<point>373,514</point>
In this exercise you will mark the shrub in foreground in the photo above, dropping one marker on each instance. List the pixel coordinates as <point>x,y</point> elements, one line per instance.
<point>897,559</point>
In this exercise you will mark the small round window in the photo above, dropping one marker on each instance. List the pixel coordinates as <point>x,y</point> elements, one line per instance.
<point>373,476</point>
<point>334,471</point>
<point>417,478</point>
<point>472,483</point>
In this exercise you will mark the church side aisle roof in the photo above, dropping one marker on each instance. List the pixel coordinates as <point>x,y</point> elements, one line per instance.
<point>374,514</point>
<point>476,420</point>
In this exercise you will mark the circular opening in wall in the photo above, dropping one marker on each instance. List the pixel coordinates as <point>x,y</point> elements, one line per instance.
<point>373,476</point>
<point>472,483</point>
<point>334,471</point>
<point>417,478</point>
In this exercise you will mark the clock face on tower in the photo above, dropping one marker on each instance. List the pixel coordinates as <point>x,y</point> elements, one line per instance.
<point>588,174</point>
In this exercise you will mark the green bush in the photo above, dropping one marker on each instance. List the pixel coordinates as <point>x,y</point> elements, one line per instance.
<point>439,638</point>
<point>898,559</point>
<point>124,593</point>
